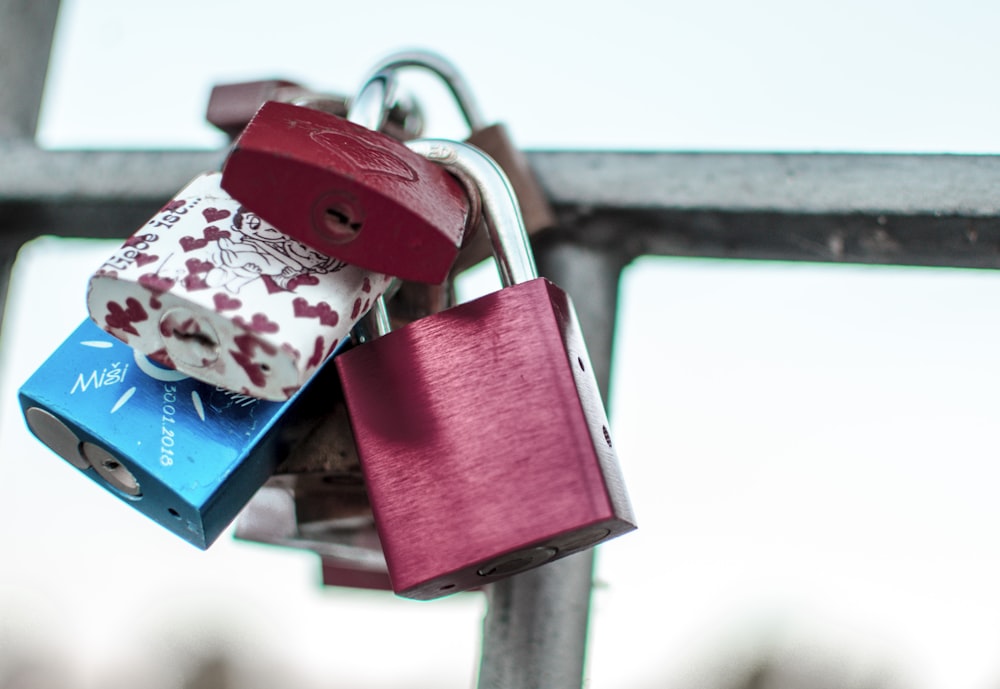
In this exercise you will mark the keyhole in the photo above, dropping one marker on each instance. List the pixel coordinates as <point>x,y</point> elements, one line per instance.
<point>340,223</point>
<point>199,339</point>
<point>110,469</point>
<point>189,337</point>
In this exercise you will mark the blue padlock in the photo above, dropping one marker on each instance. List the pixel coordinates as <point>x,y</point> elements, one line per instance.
<point>187,454</point>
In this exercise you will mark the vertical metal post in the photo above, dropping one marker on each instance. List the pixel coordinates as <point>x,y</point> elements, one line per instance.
<point>535,631</point>
<point>26,31</point>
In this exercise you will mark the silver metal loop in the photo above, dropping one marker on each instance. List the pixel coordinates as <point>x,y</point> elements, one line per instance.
<point>370,108</point>
<point>504,223</point>
<point>446,71</point>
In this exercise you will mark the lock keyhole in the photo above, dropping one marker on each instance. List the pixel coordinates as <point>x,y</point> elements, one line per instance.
<point>340,223</point>
<point>197,339</point>
<point>338,217</point>
<point>189,337</point>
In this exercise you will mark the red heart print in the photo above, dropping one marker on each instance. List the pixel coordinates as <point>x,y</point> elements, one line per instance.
<point>213,233</point>
<point>194,282</point>
<point>305,279</point>
<point>213,214</point>
<point>122,318</point>
<point>258,324</point>
<point>196,265</point>
<point>271,286</point>
<point>248,343</point>
<point>290,351</point>
<point>223,302</point>
<point>161,357</point>
<point>254,371</point>
<point>366,286</point>
<point>317,355</point>
<point>142,259</point>
<point>156,284</point>
<point>192,243</point>
<point>303,309</point>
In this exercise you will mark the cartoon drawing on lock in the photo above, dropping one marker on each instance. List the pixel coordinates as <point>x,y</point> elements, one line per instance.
<point>259,251</point>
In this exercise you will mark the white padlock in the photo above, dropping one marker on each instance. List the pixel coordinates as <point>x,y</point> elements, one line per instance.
<point>210,289</point>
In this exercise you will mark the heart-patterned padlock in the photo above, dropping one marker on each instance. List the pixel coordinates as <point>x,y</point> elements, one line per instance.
<point>209,288</point>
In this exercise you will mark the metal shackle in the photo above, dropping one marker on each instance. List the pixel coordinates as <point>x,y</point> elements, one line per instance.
<point>443,69</point>
<point>485,180</point>
<point>375,99</point>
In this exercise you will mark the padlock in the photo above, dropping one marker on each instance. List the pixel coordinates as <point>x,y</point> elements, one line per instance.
<point>232,105</point>
<point>187,454</point>
<point>210,289</point>
<point>348,192</point>
<point>482,436</point>
<point>346,541</point>
<point>492,139</point>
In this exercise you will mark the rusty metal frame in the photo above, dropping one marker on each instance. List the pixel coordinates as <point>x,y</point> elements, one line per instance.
<point>930,210</point>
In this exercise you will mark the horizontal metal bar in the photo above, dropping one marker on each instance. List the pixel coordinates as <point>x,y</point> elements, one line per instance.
<point>807,183</point>
<point>931,210</point>
<point>743,182</point>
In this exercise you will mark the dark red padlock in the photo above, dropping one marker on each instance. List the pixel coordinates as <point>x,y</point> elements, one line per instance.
<point>493,139</point>
<point>348,192</point>
<point>480,429</point>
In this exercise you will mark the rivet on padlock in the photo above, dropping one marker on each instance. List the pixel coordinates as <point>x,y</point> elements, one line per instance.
<point>348,192</point>
<point>492,139</point>
<point>187,454</point>
<point>210,289</point>
<point>481,432</point>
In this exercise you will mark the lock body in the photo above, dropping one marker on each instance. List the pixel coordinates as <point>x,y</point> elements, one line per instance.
<point>348,192</point>
<point>210,289</point>
<point>187,454</point>
<point>484,442</point>
<point>230,106</point>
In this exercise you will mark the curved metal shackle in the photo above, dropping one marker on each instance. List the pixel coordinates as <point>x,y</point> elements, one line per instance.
<point>375,99</point>
<point>482,177</point>
<point>443,69</point>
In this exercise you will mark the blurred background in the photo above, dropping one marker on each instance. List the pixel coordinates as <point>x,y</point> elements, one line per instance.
<point>809,448</point>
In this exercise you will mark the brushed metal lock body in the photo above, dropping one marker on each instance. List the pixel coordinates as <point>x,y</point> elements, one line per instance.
<point>348,192</point>
<point>210,289</point>
<point>187,454</point>
<point>481,431</point>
